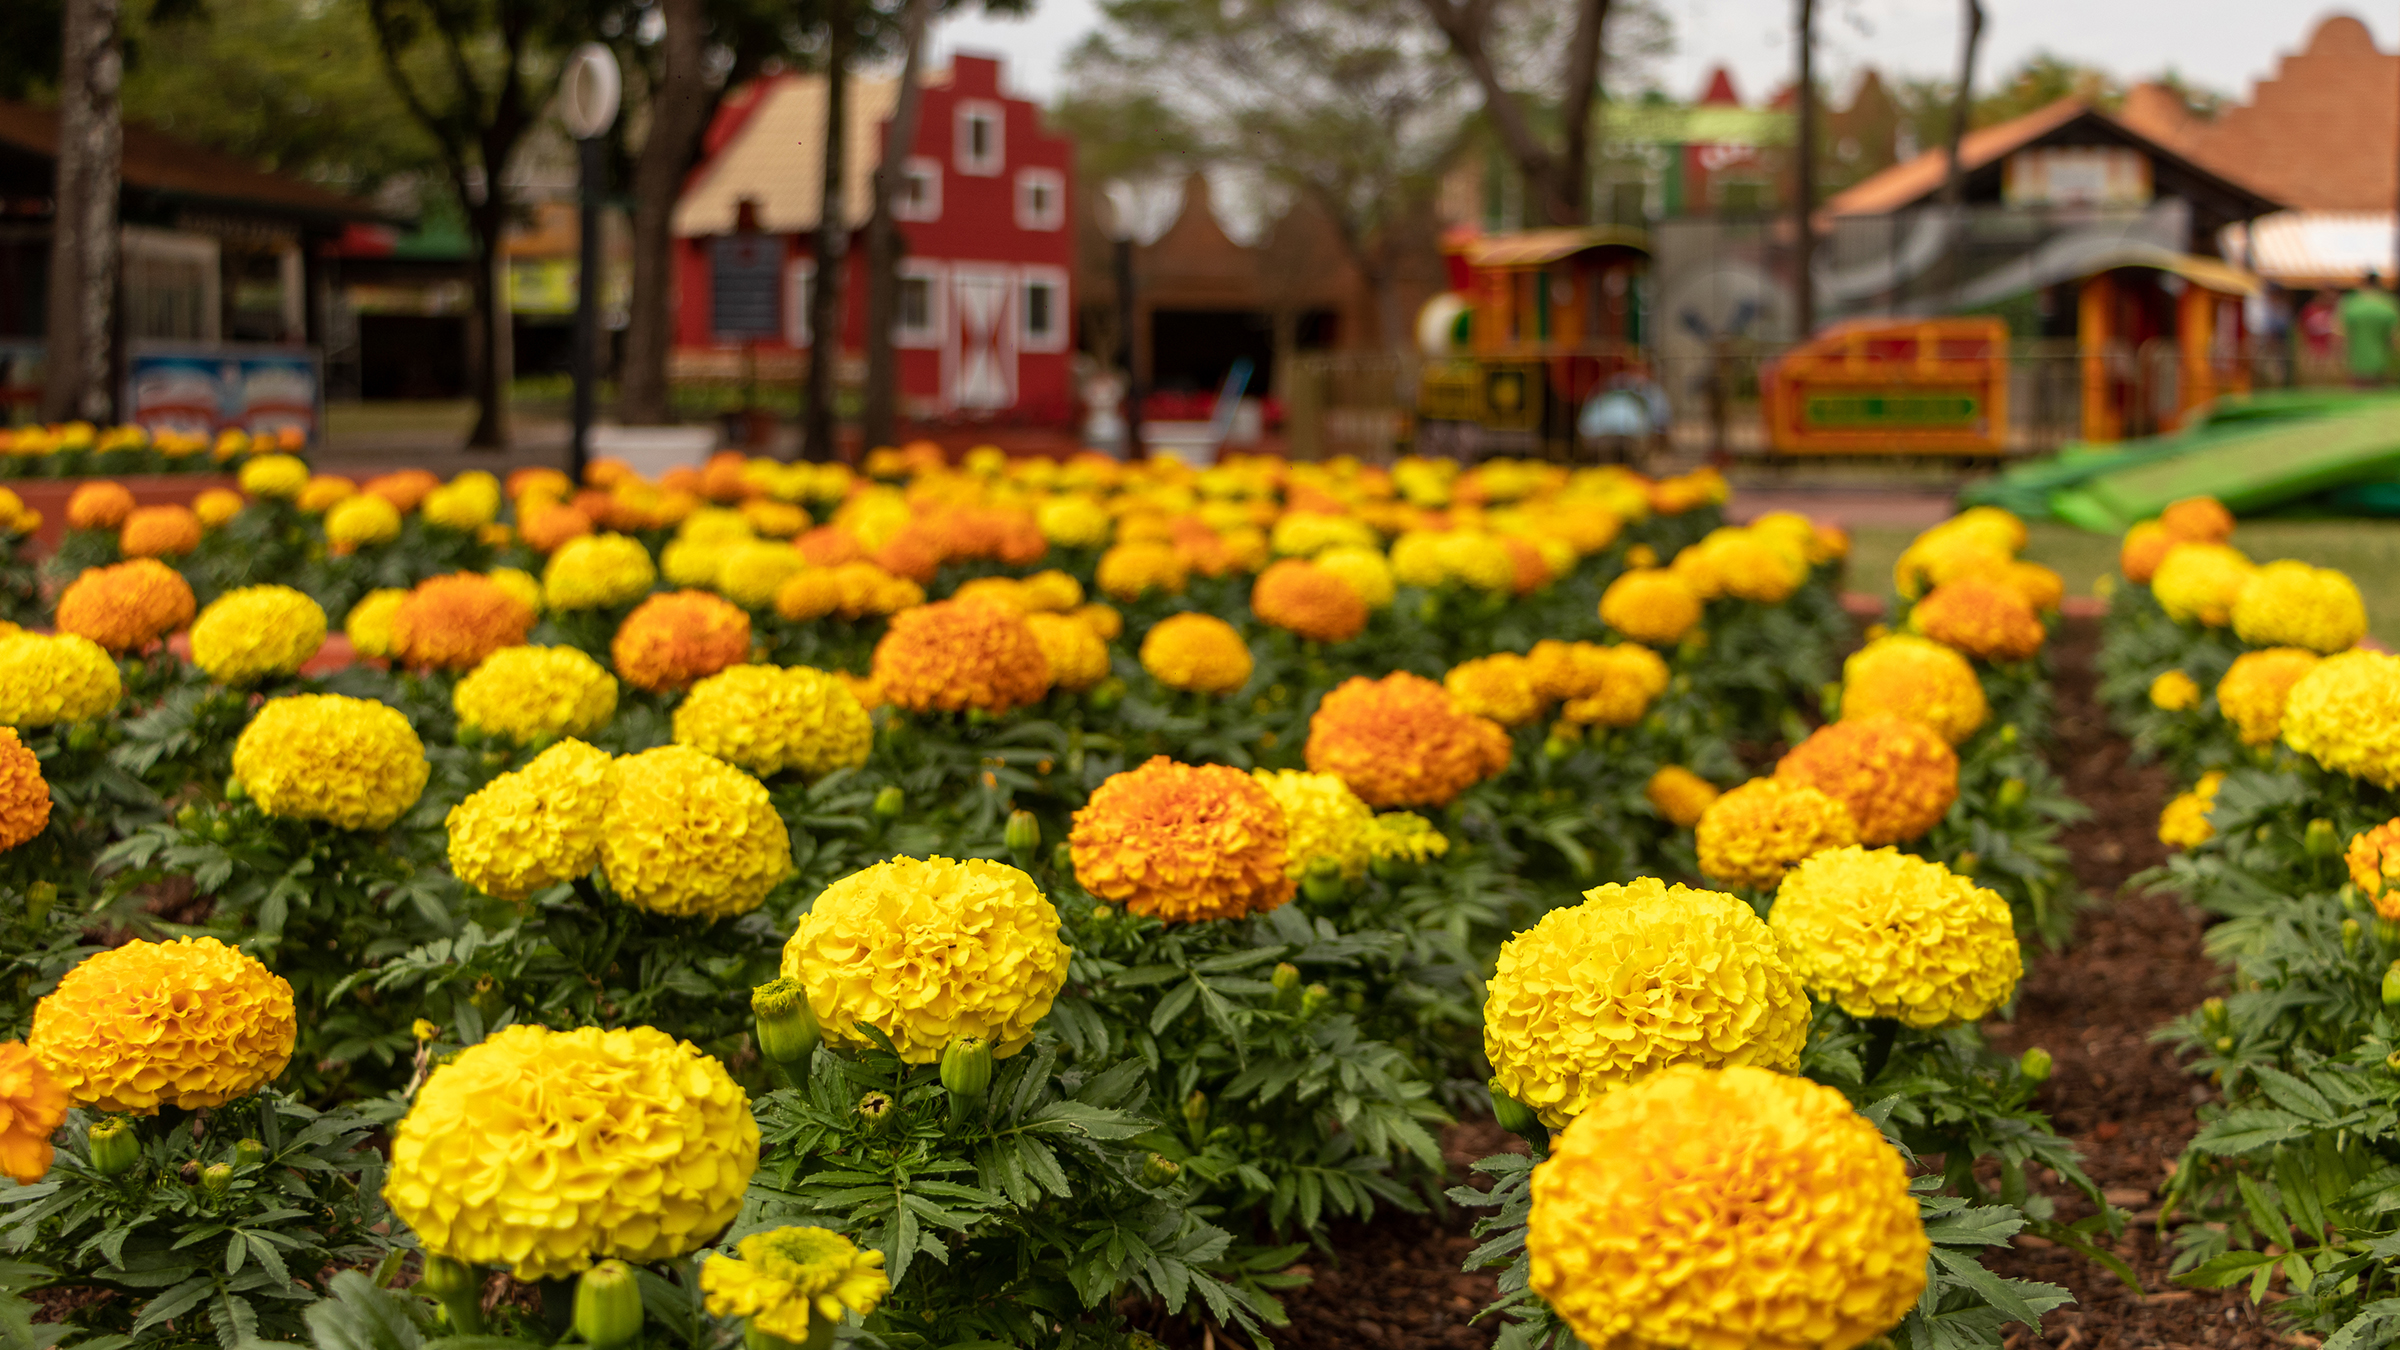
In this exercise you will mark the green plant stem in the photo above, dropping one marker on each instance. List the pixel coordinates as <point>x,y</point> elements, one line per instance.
<point>1881,1032</point>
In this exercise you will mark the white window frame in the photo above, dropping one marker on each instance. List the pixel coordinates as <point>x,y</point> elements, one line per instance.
<point>937,308</point>
<point>1056,279</point>
<point>962,149</point>
<point>799,276</point>
<point>930,170</point>
<point>1055,183</point>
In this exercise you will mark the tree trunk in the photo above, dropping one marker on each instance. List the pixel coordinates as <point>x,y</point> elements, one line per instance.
<point>884,245</point>
<point>1557,176</point>
<point>497,370</point>
<point>1954,185</point>
<point>833,242</point>
<point>1804,197</point>
<point>1570,188</point>
<point>679,117</point>
<point>83,244</point>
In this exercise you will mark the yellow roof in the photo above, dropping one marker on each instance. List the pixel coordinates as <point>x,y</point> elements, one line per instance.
<point>1533,248</point>
<point>2207,273</point>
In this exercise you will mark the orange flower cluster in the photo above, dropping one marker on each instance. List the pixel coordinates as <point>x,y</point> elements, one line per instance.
<point>1987,619</point>
<point>2194,520</point>
<point>1897,776</point>
<point>853,590</point>
<point>159,532</point>
<point>958,655</point>
<point>676,637</point>
<point>1403,741</point>
<point>24,793</point>
<point>405,489</point>
<point>545,526</point>
<point>452,622</point>
<point>1305,599</point>
<point>962,533</point>
<point>32,1107</point>
<point>1183,842</point>
<point>2374,861</point>
<point>830,546</point>
<point>129,605</point>
<point>99,505</point>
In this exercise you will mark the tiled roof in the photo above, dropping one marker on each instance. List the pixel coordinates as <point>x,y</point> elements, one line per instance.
<point>1913,180</point>
<point>157,162</point>
<point>2322,133</point>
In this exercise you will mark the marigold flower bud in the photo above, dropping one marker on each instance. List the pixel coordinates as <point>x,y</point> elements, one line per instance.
<point>115,1147</point>
<point>446,1279</point>
<point>1313,1000</point>
<point>2035,1064</point>
<point>1195,1109</point>
<point>875,1111</point>
<point>2320,840</point>
<point>967,1066</point>
<point>249,1153</point>
<point>1160,1170</point>
<point>787,1026</point>
<point>2391,985</point>
<point>889,803</point>
<point>216,1179</point>
<point>1515,1116</point>
<point>2351,932</point>
<point>1323,881</point>
<point>2012,794</point>
<point>608,1306</point>
<point>1286,980</point>
<point>1024,833</point>
<point>38,898</point>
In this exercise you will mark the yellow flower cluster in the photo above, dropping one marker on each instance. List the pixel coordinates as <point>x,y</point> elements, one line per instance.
<point>770,718</point>
<point>2345,714</point>
<point>189,1023</point>
<point>1896,777</point>
<point>1907,676</point>
<point>2175,691</point>
<point>2183,823</point>
<point>1135,568</point>
<point>2291,604</point>
<point>1755,833</point>
<point>1322,818</point>
<point>530,830</point>
<point>1889,934</point>
<point>546,1151</point>
<point>24,793</point>
<point>754,572</point>
<point>251,634</point>
<point>853,590</point>
<point>790,1280</point>
<point>1980,541</point>
<point>597,571</point>
<point>1078,655</point>
<point>690,836</point>
<point>1365,569</point>
<point>2200,583</point>
<point>354,522</point>
<point>1075,520</point>
<point>1651,605</point>
<point>274,476</point>
<point>1680,796</point>
<point>1405,836</point>
<point>1761,566</point>
<point>1403,741</point>
<point>351,762</point>
<point>959,655</point>
<point>2252,694</point>
<point>1596,685</point>
<point>1183,843</point>
<point>1499,686</point>
<point>523,693</point>
<point>369,623</point>
<point>1726,1208</point>
<point>2374,861</point>
<point>49,679</point>
<point>127,606</point>
<point>1196,652</point>
<point>928,951</point>
<point>1636,978</point>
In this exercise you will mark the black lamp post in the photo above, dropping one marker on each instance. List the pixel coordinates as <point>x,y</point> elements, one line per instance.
<point>588,98</point>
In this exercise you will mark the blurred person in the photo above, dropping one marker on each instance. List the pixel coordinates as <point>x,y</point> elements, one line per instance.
<point>2369,319</point>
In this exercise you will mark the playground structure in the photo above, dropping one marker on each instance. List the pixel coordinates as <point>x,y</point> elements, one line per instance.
<point>2161,336</point>
<point>1880,386</point>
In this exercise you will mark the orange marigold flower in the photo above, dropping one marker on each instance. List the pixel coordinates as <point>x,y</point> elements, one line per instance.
<point>546,526</point>
<point>159,532</point>
<point>405,489</point>
<point>1104,620</point>
<point>129,605</point>
<point>1986,619</point>
<point>1896,776</point>
<point>318,495</point>
<point>1308,600</point>
<point>24,793</point>
<point>523,483</point>
<point>1403,741</point>
<point>960,654</point>
<point>1196,652</point>
<point>1133,568</point>
<point>1909,676</point>
<point>2374,859</point>
<point>2257,685</point>
<point>100,505</point>
<point>1500,687</point>
<point>1629,676</point>
<point>676,637</point>
<point>2200,520</point>
<point>2035,584</point>
<point>1651,605</point>
<point>452,622</point>
<point>2145,547</point>
<point>1680,795</point>
<point>1183,842</point>
<point>1532,572</point>
<point>32,1107</point>
<point>830,546</point>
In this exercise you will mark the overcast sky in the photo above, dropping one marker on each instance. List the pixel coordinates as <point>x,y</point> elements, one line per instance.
<point>2224,44</point>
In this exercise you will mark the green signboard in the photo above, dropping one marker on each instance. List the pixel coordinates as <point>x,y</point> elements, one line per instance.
<point>1878,411</point>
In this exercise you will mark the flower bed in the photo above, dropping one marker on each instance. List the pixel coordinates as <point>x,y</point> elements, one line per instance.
<point>1017,902</point>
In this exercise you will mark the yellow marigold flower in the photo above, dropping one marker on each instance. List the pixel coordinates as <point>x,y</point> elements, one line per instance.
<point>1196,652</point>
<point>546,1151</point>
<point>350,762</point>
<point>159,532</point>
<point>1322,818</point>
<point>1403,741</point>
<point>1889,934</point>
<point>961,654</point>
<point>1679,795</point>
<point>766,719</point>
<point>2291,604</point>
<point>1983,618</point>
<point>1366,571</point>
<point>1940,555</point>
<point>1913,677</point>
<point>360,520</point>
<point>24,793</point>
<point>523,693</point>
<point>1477,559</point>
<point>2035,584</point>
<point>46,680</point>
<point>674,638</point>
<point>2183,824</point>
<point>1747,565</point>
<point>530,830</point>
<point>812,594</point>
<point>597,571</point>
<point>1006,592</point>
<point>188,1023</point>
<point>2197,519</point>
<point>1635,979</point>
<point>2175,691</point>
<point>755,570</point>
<point>1630,676</point>
<point>1075,521</point>
<point>1754,834</point>
<point>1078,658</point>
<point>1183,842</point>
<point>465,504</point>
<point>1129,571</point>
<point>928,951</point>
<point>1103,620</point>
<point>1309,533</point>
<point>369,626</point>
<point>274,476</point>
<point>129,605</point>
<point>1053,592</point>
<point>1896,777</point>
<point>2374,861</point>
<point>1667,1213</point>
<point>1309,601</point>
<point>790,1281</point>
<point>1416,559</point>
<point>2143,549</point>
<point>690,836</point>
<point>1499,686</point>
<point>2252,694</point>
<point>249,634</point>
<point>32,1107</point>
<point>216,506</point>
<point>1407,836</point>
<point>1652,606</point>
<point>321,491</point>
<point>102,504</point>
<point>453,622</point>
<point>2199,583</point>
<point>2345,714</point>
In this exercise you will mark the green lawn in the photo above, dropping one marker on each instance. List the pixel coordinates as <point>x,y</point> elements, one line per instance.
<point>2368,550</point>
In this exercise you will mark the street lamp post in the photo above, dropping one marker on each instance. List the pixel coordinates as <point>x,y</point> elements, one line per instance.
<point>588,98</point>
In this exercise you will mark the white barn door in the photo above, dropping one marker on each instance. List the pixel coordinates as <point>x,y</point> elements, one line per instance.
<point>983,337</point>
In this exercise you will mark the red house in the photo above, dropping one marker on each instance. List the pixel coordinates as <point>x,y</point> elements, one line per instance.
<point>983,328</point>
